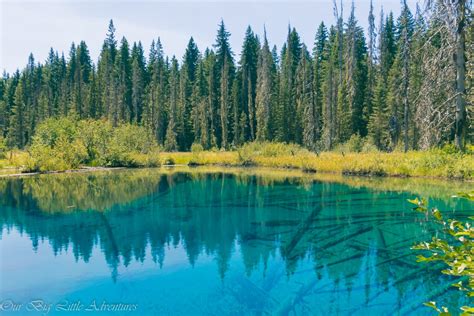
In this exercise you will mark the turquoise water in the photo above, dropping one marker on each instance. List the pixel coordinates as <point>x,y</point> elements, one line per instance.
<point>147,243</point>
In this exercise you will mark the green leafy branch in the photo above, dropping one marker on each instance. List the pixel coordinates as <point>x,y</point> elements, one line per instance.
<point>457,251</point>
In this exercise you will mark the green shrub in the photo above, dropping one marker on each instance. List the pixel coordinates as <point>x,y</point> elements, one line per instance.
<point>63,143</point>
<point>56,146</point>
<point>169,161</point>
<point>369,146</point>
<point>196,148</point>
<point>355,144</point>
<point>449,148</point>
<point>246,155</point>
<point>271,149</point>
<point>125,141</point>
<point>153,160</point>
<point>63,156</point>
<point>3,147</point>
<point>49,131</point>
<point>96,136</point>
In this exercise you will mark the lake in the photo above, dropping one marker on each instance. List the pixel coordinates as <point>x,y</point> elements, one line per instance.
<point>219,242</point>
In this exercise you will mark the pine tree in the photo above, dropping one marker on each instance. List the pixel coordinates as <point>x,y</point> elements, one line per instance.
<point>330,90</point>
<point>248,69</point>
<point>81,79</point>
<point>123,74</point>
<point>18,129</point>
<point>320,56</point>
<point>305,102</point>
<point>138,82</point>
<point>201,115</point>
<point>225,70</point>
<point>286,126</point>
<point>371,65</point>
<point>188,75</point>
<point>155,113</point>
<point>106,77</point>
<point>171,143</point>
<point>406,25</point>
<point>264,93</point>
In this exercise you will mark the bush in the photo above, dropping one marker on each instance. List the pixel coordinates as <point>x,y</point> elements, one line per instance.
<point>369,146</point>
<point>355,144</point>
<point>196,148</point>
<point>246,155</point>
<point>56,146</point>
<point>96,136</point>
<point>49,131</point>
<point>271,149</point>
<point>3,147</point>
<point>63,143</point>
<point>169,161</point>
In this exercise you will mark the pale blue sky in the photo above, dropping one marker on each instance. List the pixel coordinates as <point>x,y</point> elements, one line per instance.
<point>35,26</point>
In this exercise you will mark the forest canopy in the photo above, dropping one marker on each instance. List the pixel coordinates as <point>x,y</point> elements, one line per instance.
<point>404,83</point>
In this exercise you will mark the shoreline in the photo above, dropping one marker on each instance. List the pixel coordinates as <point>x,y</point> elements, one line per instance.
<point>229,167</point>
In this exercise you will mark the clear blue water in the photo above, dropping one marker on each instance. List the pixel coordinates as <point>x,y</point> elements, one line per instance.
<point>213,244</point>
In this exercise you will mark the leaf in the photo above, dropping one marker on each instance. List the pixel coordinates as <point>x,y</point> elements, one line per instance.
<point>414,201</point>
<point>432,305</point>
<point>465,195</point>
<point>461,268</point>
<point>462,234</point>
<point>437,214</point>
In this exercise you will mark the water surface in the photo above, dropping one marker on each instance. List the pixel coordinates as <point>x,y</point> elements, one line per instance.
<point>218,243</point>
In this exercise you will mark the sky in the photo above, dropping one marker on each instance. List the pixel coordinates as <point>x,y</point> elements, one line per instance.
<point>33,26</point>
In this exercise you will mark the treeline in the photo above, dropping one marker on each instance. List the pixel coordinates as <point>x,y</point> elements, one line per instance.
<point>398,86</point>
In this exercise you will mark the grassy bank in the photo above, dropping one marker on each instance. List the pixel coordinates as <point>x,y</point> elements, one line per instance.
<point>411,164</point>
<point>435,163</point>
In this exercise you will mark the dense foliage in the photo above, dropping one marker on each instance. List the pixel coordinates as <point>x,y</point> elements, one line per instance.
<point>456,251</point>
<point>67,143</point>
<point>396,87</point>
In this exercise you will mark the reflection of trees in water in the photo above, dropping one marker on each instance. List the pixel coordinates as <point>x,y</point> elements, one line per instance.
<point>346,231</point>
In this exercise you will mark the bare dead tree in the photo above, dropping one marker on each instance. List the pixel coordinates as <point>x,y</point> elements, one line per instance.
<point>453,14</point>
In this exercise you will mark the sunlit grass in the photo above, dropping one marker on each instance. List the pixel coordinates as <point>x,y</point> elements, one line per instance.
<point>434,163</point>
<point>12,161</point>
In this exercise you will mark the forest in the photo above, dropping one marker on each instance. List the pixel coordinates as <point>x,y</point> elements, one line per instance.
<point>403,84</point>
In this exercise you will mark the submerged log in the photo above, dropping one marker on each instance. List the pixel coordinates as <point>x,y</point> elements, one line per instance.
<point>301,231</point>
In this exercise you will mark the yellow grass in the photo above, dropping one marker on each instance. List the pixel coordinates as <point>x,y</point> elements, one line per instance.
<point>434,163</point>
<point>411,164</point>
<point>13,161</point>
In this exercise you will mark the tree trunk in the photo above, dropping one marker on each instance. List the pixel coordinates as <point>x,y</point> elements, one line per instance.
<point>405,91</point>
<point>459,60</point>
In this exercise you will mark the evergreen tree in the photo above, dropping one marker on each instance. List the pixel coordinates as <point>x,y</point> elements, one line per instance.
<point>155,112</point>
<point>123,70</point>
<point>188,75</point>
<point>138,82</point>
<point>264,93</point>
<point>18,129</point>
<point>320,55</point>
<point>171,143</point>
<point>248,69</point>
<point>290,57</point>
<point>306,133</point>
<point>225,71</point>
<point>330,90</point>
<point>371,65</point>
<point>106,77</point>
